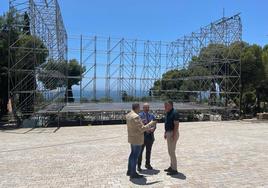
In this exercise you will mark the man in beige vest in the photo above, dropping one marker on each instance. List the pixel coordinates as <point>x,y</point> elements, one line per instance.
<point>135,129</point>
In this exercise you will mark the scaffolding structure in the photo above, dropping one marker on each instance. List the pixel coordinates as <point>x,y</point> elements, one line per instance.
<point>206,60</point>
<point>118,65</point>
<point>42,39</point>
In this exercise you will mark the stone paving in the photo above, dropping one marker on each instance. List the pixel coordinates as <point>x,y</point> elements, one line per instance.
<point>210,154</point>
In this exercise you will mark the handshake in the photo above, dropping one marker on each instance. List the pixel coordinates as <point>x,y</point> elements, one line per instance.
<point>152,125</point>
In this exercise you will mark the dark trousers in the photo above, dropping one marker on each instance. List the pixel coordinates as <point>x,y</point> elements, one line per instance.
<point>148,143</point>
<point>133,158</point>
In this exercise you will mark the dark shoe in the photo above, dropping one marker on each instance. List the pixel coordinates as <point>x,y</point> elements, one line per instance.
<point>128,173</point>
<point>169,169</point>
<point>136,176</point>
<point>149,167</point>
<point>139,169</point>
<point>173,172</point>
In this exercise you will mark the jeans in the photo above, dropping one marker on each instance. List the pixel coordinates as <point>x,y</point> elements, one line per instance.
<point>133,158</point>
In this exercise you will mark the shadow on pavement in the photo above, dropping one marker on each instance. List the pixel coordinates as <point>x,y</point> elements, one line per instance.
<point>56,129</point>
<point>150,172</point>
<point>142,181</point>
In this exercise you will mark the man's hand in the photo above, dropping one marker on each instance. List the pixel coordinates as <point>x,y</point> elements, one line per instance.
<point>154,123</point>
<point>144,121</point>
<point>152,129</point>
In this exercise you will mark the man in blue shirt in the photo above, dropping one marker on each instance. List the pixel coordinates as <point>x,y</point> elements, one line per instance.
<point>171,135</point>
<point>146,117</point>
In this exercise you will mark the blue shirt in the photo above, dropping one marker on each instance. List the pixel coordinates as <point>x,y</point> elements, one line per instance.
<point>146,117</point>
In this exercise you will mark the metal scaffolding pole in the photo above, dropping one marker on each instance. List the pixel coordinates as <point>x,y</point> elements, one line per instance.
<point>120,65</point>
<point>43,39</point>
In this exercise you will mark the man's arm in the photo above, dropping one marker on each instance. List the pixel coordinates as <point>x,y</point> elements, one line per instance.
<point>176,126</point>
<point>153,127</point>
<point>141,127</point>
<point>176,130</point>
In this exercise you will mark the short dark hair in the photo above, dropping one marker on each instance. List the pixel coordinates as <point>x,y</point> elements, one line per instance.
<point>169,102</point>
<point>135,106</point>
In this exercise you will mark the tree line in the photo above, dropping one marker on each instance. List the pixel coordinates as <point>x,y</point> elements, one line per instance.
<point>210,61</point>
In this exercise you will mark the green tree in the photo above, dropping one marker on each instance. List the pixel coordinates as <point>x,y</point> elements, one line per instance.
<point>5,21</point>
<point>262,86</point>
<point>75,71</point>
<point>127,98</point>
<point>249,102</point>
<point>71,70</point>
<point>265,60</point>
<point>29,61</point>
<point>254,73</point>
<point>171,81</point>
<point>13,27</point>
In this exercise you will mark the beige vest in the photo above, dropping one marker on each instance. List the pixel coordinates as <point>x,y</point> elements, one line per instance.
<point>135,128</point>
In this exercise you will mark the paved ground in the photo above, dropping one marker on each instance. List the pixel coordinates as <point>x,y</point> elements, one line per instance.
<point>210,154</point>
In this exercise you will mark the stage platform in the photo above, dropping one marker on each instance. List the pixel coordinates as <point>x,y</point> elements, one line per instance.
<point>100,113</point>
<point>119,107</point>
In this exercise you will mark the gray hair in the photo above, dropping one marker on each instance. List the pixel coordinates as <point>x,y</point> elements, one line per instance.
<point>135,106</point>
<point>169,102</point>
<point>146,104</point>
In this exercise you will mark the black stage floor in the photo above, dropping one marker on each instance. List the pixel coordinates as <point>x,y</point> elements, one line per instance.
<point>115,107</point>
